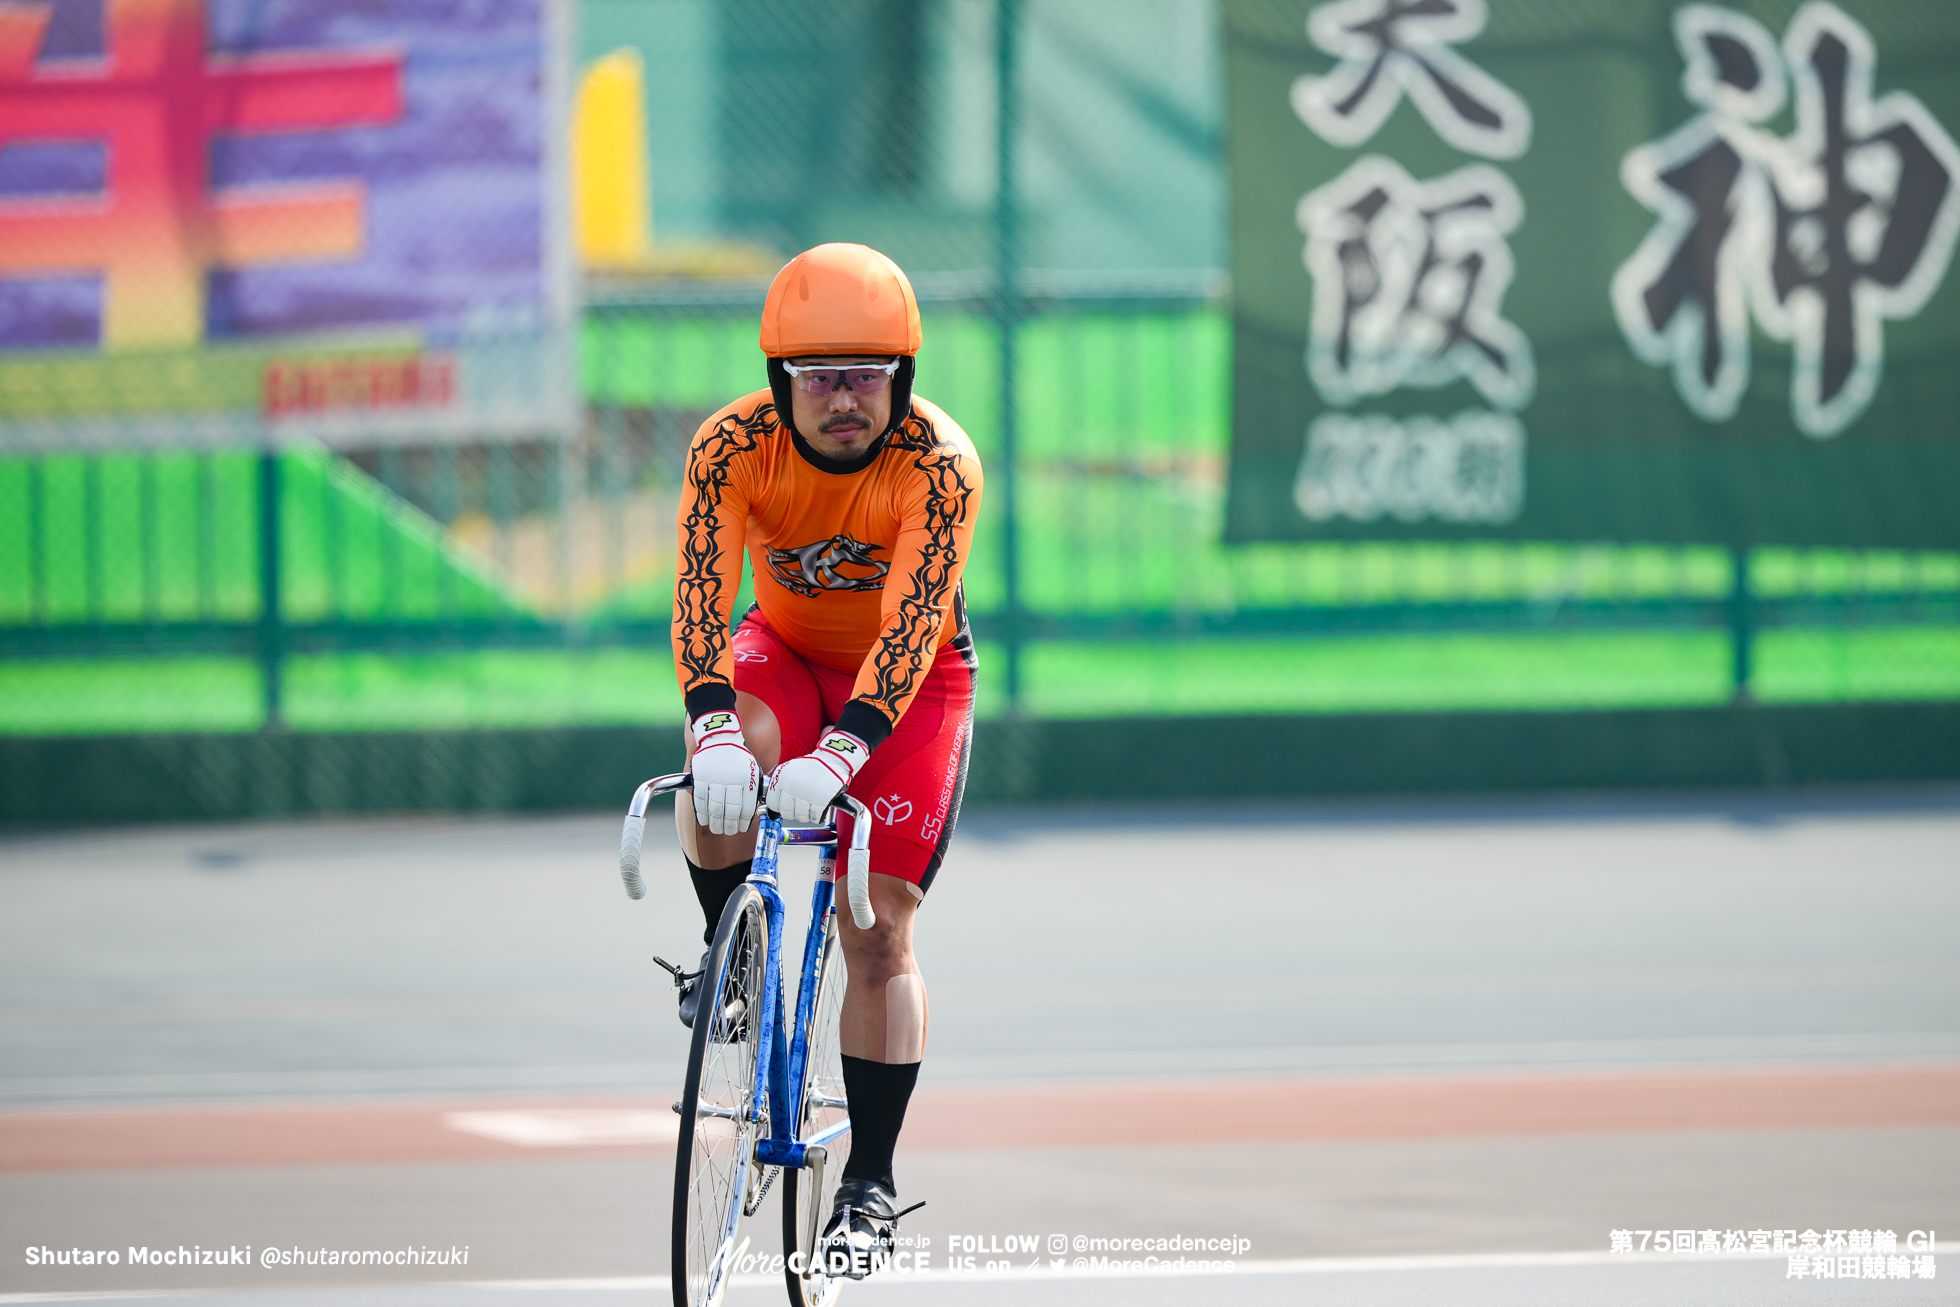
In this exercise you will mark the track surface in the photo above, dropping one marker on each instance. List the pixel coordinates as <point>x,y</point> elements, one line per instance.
<point>1386,1031</point>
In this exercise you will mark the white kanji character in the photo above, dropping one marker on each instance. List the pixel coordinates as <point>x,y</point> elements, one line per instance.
<point>1409,281</point>
<point>1823,234</point>
<point>1389,48</point>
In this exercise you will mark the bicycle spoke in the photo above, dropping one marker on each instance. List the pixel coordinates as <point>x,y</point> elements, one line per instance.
<point>725,1122</point>
<point>805,1212</point>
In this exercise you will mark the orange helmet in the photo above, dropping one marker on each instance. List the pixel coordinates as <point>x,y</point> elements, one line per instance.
<point>840,299</point>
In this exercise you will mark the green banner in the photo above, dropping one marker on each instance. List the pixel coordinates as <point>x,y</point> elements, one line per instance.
<point>1596,271</point>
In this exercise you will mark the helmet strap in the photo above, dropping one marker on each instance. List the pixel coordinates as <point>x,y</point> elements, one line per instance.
<point>908,364</point>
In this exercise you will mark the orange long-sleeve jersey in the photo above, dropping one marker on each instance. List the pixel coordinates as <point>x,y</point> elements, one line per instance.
<point>857,570</point>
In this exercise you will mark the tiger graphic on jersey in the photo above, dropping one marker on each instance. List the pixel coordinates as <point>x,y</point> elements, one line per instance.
<point>807,569</point>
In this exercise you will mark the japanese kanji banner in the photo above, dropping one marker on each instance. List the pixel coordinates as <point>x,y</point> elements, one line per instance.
<point>237,221</point>
<point>1634,271</point>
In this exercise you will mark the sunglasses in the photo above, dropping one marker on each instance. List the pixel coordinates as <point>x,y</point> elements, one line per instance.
<point>858,378</point>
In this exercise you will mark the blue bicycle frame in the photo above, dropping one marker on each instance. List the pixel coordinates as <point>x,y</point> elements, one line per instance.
<point>779,1070</point>
<point>784,1074</point>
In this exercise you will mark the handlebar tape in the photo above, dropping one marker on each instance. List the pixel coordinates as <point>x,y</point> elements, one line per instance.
<point>629,856</point>
<point>858,889</point>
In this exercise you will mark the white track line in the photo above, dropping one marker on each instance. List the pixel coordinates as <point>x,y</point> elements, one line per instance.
<point>1264,1266</point>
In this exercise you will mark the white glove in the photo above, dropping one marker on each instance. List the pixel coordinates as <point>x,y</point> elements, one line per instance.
<point>803,787</point>
<point>725,774</point>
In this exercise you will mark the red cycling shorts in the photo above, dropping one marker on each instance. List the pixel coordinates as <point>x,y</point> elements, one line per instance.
<point>914,780</point>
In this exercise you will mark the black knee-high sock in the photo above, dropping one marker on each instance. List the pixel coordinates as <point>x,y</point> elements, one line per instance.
<point>877,1093</point>
<point>713,888</point>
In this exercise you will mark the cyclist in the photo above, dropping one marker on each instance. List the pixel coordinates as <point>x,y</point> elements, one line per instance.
<point>854,669</point>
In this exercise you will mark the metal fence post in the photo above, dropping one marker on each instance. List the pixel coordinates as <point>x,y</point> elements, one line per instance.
<point>1742,633</point>
<point>1007,292</point>
<point>271,632</point>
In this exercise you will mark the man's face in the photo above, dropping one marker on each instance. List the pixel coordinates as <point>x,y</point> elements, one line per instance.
<point>841,424</point>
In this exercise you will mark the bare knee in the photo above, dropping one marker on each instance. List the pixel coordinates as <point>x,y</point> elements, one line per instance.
<point>760,730</point>
<point>878,954</point>
<point>874,956</point>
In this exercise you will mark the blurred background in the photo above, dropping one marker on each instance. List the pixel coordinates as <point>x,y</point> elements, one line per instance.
<point>331,501</point>
<point>348,359</point>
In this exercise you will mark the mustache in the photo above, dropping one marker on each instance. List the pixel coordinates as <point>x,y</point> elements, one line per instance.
<point>843,420</point>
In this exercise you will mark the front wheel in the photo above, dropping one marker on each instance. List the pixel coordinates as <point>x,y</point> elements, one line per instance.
<point>806,1206</point>
<point>719,1108</point>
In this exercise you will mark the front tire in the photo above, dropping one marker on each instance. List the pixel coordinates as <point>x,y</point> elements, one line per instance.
<point>719,1118</point>
<point>823,1099</point>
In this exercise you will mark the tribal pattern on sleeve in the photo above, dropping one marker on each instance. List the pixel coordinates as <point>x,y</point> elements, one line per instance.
<point>905,651</point>
<point>703,596</point>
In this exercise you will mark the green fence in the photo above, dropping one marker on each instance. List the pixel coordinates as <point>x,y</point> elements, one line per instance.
<point>527,584</point>
<point>1064,252</point>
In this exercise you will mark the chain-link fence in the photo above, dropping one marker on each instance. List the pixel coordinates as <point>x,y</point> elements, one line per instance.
<point>1076,325</point>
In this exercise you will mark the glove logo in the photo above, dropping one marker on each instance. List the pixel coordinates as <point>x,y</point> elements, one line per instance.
<point>891,809</point>
<point>720,721</point>
<point>841,744</point>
